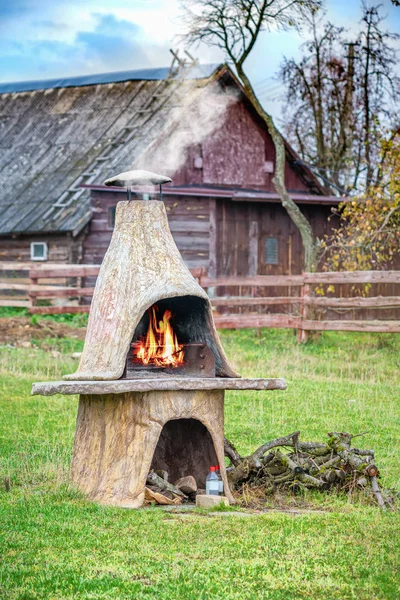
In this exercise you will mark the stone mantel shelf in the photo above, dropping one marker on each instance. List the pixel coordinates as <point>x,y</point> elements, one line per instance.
<point>121,386</point>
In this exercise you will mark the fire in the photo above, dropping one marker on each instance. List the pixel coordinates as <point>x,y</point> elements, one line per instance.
<point>160,346</point>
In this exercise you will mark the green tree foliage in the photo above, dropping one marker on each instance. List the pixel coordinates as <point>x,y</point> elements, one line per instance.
<point>368,234</point>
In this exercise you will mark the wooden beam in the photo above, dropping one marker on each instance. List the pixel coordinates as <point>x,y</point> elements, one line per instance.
<point>198,272</point>
<point>353,277</point>
<point>356,302</point>
<point>212,265</point>
<point>256,321</point>
<point>16,266</point>
<point>260,301</point>
<point>15,286</point>
<point>253,248</point>
<point>302,333</point>
<point>370,326</point>
<point>58,310</point>
<point>257,281</point>
<point>16,303</point>
<point>57,270</point>
<point>65,271</point>
<point>49,291</point>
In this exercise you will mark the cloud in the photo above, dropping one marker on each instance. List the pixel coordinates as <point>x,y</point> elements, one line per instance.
<point>50,25</point>
<point>109,24</point>
<point>112,44</point>
<point>55,38</point>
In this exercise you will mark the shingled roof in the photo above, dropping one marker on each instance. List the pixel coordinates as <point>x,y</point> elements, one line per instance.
<point>58,134</point>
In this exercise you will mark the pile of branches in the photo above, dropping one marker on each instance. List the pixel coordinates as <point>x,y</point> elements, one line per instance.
<point>312,465</point>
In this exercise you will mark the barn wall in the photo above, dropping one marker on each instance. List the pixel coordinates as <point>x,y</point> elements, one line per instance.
<point>243,228</point>
<point>61,248</point>
<point>226,237</point>
<point>235,154</point>
<point>189,221</point>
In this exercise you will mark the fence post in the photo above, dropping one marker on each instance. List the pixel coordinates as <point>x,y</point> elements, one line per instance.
<point>302,334</point>
<point>32,281</point>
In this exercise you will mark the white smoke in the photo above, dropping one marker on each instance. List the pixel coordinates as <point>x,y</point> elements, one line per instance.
<point>200,112</point>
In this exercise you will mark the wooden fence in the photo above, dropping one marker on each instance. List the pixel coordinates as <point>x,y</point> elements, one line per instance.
<point>59,288</point>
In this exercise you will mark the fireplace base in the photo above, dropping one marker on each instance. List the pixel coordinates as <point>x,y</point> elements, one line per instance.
<point>120,424</point>
<point>117,441</point>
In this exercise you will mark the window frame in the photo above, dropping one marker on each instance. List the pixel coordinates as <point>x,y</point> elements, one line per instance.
<point>45,251</point>
<point>276,240</point>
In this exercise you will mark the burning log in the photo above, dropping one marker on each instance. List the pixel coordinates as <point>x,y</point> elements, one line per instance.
<point>324,466</point>
<point>161,346</point>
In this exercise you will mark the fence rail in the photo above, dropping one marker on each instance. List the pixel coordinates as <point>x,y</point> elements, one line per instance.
<point>62,287</point>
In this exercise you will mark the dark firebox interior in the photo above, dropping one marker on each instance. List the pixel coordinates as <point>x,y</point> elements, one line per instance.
<point>185,447</point>
<point>190,323</point>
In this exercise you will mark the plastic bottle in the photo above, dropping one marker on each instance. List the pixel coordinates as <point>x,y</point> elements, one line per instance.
<point>220,482</point>
<point>212,483</point>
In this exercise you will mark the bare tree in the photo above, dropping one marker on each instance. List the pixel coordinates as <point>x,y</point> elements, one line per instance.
<point>234,26</point>
<point>341,96</point>
<point>318,115</point>
<point>379,84</point>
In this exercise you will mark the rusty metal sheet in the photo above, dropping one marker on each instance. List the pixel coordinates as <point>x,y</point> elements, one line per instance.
<point>199,362</point>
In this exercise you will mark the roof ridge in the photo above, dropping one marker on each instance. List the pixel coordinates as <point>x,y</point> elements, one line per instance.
<point>200,71</point>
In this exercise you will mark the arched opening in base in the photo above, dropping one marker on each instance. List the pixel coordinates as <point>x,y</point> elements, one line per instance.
<point>185,447</point>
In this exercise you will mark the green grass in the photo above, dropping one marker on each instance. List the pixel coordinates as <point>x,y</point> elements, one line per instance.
<point>77,320</point>
<point>54,544</point>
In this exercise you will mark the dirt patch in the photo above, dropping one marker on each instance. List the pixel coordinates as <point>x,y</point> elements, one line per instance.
<point>17,331</point>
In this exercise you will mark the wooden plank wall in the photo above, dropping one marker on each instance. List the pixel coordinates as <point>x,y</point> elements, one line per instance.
<point>235,154</point>
<point>242,229</point>
<point>189,221</point>
<point>238,251</point>
<point>62,248</point>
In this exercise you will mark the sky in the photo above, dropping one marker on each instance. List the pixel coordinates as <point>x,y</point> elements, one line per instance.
<point>43,39</point>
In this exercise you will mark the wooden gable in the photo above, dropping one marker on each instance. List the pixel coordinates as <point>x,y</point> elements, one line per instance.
<point>240,153</point>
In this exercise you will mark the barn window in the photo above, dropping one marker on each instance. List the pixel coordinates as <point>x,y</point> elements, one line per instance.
<point>111,217</point>
<point>271,251</point>
<point>38,251</point>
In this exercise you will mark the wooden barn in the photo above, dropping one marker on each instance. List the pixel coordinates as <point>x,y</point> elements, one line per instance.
<point>59,141</point>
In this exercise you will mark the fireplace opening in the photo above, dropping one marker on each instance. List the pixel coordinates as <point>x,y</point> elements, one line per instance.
<point>173,337</point>
<point>185,447</point>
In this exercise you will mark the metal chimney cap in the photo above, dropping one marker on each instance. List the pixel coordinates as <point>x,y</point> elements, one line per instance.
<point>129,178</point>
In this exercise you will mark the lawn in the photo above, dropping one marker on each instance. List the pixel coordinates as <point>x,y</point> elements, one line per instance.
<point>54,544</point>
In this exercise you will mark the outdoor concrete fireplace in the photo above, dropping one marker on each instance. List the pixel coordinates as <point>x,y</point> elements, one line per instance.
<point>153,371</point>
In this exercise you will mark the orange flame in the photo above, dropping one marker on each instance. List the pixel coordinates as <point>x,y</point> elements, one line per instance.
<point>161,346</point>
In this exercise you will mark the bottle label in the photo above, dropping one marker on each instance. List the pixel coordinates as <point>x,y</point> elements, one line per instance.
<point>212,487</point>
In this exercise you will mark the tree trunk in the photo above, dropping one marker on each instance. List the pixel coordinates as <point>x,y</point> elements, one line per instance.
<point>367,122</point>
<point>302,224</point>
